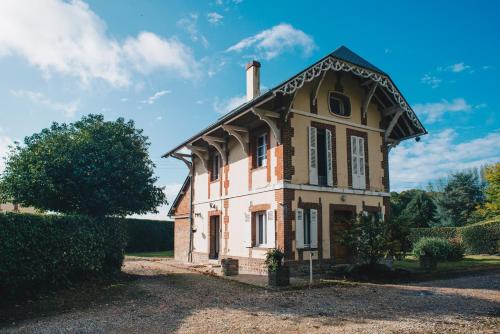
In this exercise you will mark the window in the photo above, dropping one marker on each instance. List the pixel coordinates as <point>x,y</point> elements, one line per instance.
<point>261,150</point>
<point>306,228</point>
<point>339,104</point>
<point>261,226</point>
<point>320,157</point>
<point>214,175</point>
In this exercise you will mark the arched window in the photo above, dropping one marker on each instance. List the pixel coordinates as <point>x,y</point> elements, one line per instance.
<point>339,104</point>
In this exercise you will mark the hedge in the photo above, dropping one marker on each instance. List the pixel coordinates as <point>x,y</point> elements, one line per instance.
<point>149,235</point>
<point>48,250</point>
<point>479,238</point>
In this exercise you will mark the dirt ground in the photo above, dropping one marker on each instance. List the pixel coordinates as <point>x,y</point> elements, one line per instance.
<point>164,299</point>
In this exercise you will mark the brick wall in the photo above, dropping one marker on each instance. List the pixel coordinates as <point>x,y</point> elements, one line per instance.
<point>181,242</point>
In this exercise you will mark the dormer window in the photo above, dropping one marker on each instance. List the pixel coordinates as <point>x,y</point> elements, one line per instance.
<point>339,104</point>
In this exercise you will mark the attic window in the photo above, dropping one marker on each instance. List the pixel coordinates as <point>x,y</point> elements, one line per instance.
<point>339,104</point>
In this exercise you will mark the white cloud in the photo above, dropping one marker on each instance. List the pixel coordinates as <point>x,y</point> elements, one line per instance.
<point>455,68</point>
<point>225,106</point>
<point>5,142</point>
<point>431,80</point>
<point>435,156</point>
<point>68,109</point>
<point>214,17</point>
<point>272,42</point>
<point>70,39</point>
<point>152,99</point>
<point>148,52</point>
<point>190,24</point>
<point>434,111</point>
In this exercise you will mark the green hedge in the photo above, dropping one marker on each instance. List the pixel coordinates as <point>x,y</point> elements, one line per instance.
<point>149,235</point>
<point>48,250</point>
<point>480,238</point>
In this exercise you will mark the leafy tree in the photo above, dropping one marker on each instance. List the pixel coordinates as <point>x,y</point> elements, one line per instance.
<point>491,206</point>
<point>369,238</point>
<point>420,211</point>
<point>461,195</point>
<point>92,167</point>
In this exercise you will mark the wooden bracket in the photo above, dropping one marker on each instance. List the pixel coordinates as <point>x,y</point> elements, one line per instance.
<point>201,153</point>
<point>270,118</point>
<point>240,133</point>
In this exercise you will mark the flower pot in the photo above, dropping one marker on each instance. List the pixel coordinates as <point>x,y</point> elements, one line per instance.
<point>428,263</point>
<point>279,277</point>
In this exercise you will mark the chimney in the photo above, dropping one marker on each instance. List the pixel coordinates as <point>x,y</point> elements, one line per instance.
<point>253,80</point>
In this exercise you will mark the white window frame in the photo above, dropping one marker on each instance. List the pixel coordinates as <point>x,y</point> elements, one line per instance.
<point>358,163</point>
<point>258,242</point>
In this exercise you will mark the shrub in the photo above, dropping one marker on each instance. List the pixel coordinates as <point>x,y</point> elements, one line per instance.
<point>149,235</point>
<point>48,250</point>
<point>456,250</point>
<point>433,232</point>
<point>482,238</point>
<point>274,258</point>
<point>435,248</point>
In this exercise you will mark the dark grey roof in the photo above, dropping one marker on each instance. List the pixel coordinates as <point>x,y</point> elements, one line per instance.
<point>349,56</point>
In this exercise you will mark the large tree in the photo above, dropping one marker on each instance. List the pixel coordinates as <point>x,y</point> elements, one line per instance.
<point>92,167</point>
<point>461,195</point>
<point>420,211</point>
<point>491,206</point>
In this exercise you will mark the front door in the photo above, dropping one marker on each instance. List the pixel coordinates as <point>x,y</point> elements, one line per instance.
<point>341,221</point>
<point>214,237</point>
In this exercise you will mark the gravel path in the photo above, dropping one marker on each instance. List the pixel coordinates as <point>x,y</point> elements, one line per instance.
<point>167,299</point>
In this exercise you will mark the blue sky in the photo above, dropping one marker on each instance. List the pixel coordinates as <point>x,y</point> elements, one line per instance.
<point>175,66</point>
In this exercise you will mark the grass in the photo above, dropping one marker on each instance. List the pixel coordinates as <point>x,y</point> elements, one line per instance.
<point>169,253</point>
<point>469,262</point>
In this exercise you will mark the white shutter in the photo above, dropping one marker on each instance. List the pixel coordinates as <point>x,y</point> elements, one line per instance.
<point>329,167</point>
<point>271,229</point>
<point>313,156</point>
<point>362,162</point>
<point>354,163</point>
<point>314,227</point>
<point>247,231</point>
<point>299,228</point>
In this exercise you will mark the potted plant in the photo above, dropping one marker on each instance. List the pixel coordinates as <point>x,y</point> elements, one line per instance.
<point>278,273</point>
<point>431,250</point>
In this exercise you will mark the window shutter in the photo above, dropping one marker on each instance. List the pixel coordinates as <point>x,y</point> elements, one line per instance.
<point>313,156</point>
<point>271,229</point>
<point>247,231</point>
<point>362,163</point>
<point>299,228</point>
<point>354,162</point>
<point>329,167</point>
<point>314,228</point>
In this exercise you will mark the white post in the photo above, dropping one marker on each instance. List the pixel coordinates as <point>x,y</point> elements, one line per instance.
<point>310,268</point>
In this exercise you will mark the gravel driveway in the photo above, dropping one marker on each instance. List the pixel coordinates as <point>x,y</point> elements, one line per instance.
<point>165,299</point>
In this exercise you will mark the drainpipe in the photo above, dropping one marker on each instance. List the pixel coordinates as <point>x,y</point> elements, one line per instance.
<point>190,165</point>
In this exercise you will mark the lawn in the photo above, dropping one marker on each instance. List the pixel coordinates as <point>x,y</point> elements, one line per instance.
<point>169,253</point>
<point>467,263</point>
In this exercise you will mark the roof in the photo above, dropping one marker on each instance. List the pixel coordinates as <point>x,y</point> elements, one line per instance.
<point>178,198</point>
<point>347,55</point>
<point>343,54</point>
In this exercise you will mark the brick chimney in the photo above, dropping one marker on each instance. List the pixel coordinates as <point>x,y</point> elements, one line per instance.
<point>253,80</point>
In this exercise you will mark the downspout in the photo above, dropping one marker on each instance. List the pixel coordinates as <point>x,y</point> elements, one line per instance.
<point>190,165</point>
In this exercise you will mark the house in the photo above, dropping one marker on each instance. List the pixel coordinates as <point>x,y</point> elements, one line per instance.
<point>14,207</point>
<point>291,165</point>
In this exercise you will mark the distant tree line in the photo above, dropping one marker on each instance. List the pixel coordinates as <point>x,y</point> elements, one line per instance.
<point>463,198</point>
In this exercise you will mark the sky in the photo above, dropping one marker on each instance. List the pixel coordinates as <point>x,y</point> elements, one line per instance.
<point>176,66</point>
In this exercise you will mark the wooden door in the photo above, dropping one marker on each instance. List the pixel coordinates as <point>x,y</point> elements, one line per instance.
<point>214,237</point>
<point>340,222</point>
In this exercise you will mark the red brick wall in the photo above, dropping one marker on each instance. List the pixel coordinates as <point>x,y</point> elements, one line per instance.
<point>183,206</point>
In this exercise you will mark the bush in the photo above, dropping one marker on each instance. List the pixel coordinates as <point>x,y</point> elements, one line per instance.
<point>435,248</point>
<point>456,250</point>
<point>433,232</point>
<point>274,259</point>
<point>48,250</point>
<point>482,238</point>
<point>149,235</point>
